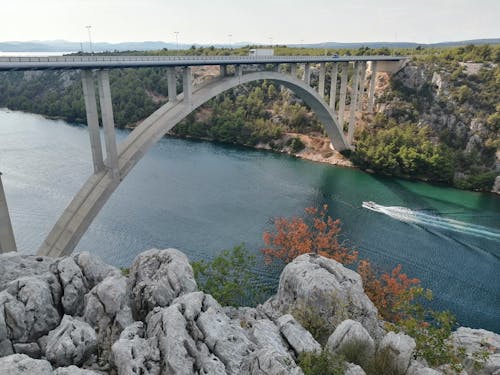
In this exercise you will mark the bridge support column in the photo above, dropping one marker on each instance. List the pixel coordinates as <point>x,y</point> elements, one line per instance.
<point>321,84</point>
<point>307,73</point>
<point>7,241</point>
<point>361,91</point>
<point>92,119</point>
<point>354,103</point>
<point>333,86</point>
<point>239,70</point>
<point>223,70</point>
<point>171,85</point>
<point>293,70</point>
<point>187,83</point>
<point>371,92</point>
<point>108,122</point>
<point>343,93</point>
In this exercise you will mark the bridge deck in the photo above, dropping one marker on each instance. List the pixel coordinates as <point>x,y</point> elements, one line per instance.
<point>115,62</point>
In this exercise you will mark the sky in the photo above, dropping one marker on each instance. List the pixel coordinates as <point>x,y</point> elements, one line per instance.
<point>258,21</point>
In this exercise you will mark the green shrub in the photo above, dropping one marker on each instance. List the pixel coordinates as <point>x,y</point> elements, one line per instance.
<point>228,278</point>
<point>324,363</point>
<point>296,145</point>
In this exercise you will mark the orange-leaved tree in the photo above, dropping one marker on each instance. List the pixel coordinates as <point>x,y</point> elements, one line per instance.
<point>316,233</point>
<point>389,290</point>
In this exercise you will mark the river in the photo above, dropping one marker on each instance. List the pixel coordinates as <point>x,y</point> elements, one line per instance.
<point>203,197</point>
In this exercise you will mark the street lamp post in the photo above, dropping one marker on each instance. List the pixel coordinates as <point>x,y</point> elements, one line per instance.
<point>177,40</point>
<point>90,39</point>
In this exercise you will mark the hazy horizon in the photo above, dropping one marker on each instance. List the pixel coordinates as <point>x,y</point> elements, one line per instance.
<point>260,22</point>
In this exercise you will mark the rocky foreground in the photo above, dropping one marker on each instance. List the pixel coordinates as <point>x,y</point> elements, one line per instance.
<point>79,316</point>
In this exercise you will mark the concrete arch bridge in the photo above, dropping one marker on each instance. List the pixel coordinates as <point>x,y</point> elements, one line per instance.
<point>121,158</point>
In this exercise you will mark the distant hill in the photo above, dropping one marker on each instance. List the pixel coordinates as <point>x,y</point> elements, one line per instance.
<point>397,44</point>
<point>65,46</point>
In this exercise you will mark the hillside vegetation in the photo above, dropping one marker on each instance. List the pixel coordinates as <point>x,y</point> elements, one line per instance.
<point>438,119</point>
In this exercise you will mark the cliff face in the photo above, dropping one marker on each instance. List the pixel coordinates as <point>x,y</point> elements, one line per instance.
<point>77,315</point>
<point>460,102</point>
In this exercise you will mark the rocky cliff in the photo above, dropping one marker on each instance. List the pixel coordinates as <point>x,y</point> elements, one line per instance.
<point>460,102</point>
<point>77,315</point>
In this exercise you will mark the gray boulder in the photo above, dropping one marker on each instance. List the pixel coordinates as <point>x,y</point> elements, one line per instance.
<point>297,336</point>
<point>72,343</point>
<point>31,349</point>
<point>265,334</point>
<point>28,308</point>
<point>353,369</point>
<point>14,265</point>
<point>476,341</point>
<point>269,362</point>
<point>418,368</point>
<point>73,285</point>
<point>133,354</point>
<point>352,339</point>
<point>73,370</point>
<point>330,291</point>
<point>156,278</point>
<point>78,275</point>
<point>107,311</point>
<point>399,350</point>
<point>21,364</point>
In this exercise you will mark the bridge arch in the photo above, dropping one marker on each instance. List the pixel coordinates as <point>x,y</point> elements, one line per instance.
<point>87,203</point>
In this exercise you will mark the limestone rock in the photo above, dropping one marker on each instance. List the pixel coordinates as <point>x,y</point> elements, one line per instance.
<point>21,364</point>
<point>73,370</point>
<point>247,316</point>
<point>14,265</point>
<point>353,369</point>
<point>418,368</point>
<point>73,285</point>
<point>328,289</point>
<point>156,278</point>
<point>28,307</point>
<point>6,348</point>
<point>94,269</point>
<point>107,311</point>
<point>31,349</point>
<point>351,338</point>
<point>476,340</point>
<point>265,334</point>
<point>297,336</point>
<point>71,343</point>
<point>399,349</point>
<point>269,362</point>
<point>133,354</point>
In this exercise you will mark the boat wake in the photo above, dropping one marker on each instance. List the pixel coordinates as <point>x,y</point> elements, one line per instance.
<point>411,216</point>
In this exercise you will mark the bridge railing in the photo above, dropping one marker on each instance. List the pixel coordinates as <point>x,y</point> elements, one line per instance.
<point>99,58</point>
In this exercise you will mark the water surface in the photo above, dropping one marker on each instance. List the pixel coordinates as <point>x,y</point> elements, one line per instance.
<point>202,197</point>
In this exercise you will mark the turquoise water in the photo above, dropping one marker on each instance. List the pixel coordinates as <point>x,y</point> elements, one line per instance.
<point>203,197</point>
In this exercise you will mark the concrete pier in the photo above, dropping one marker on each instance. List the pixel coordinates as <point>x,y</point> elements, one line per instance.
<point>92,119</point>
<point>354,103</point>
<point>343,92</point>
<point>333,85</point>
<point>322,75</point>
<point>361,90</point>
<point>307,73</point>
<point>171,85</point>
<point>7,241</point>
<point>293,70</point>
<point>108,121</point>
<point>187,84</point>
<point>373,80</point>
<point>223,70</point>
<point>239,70</point>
